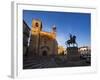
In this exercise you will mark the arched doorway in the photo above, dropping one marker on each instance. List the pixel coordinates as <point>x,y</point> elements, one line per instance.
<point>44,53</point>
<point>44,50</point>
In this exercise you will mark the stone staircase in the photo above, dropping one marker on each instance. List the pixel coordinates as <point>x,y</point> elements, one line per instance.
<point>38,62</point>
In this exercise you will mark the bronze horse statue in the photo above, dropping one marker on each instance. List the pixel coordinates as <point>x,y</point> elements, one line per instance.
<point>72,41</point>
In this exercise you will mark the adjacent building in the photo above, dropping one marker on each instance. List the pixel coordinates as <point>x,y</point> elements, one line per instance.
<point>85,50</point>
<point>26,33</point>
<point>61,50</point>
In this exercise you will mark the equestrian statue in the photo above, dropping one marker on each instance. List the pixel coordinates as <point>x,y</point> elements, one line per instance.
<point>71,41</point>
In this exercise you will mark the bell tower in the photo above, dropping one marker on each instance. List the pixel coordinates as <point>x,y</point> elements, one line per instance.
<point>35,36</point>
<point>36,26</point>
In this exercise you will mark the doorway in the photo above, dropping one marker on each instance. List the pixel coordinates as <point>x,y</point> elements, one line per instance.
<point>44,53</point>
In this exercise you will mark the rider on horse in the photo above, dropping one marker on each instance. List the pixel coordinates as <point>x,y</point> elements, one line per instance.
<point>72,40</point>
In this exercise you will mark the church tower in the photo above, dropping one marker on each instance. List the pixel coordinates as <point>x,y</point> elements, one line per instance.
<point>35,36</point>
<point>36,26</point>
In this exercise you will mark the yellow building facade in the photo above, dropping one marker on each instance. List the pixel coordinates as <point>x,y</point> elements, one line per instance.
<point>61,50</point>
<point>42,43</point>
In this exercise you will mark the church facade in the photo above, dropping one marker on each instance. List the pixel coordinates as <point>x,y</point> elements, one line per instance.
<point>42,43</point>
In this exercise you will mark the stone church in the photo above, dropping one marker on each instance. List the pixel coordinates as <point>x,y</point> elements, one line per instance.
<point>42,43</point>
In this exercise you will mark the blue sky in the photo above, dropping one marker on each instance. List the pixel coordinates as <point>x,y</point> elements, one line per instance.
<point>78,24</point>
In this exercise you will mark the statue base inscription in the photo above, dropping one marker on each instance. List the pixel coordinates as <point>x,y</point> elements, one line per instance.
<point>73,54</point>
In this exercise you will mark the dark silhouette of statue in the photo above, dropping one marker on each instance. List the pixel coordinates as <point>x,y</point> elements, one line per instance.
<point>71,41</point>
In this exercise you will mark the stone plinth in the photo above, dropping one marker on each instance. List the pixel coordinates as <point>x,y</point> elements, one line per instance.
<point>73,54</point>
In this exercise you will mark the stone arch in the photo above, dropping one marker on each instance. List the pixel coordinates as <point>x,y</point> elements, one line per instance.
<point>44,53</point>
<point>45,50</point>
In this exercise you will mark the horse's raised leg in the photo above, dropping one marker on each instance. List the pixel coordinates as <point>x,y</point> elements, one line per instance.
<point>73,45</point>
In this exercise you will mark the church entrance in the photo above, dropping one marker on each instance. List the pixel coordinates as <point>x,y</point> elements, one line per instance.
<point>44,53</point>
<point>44,50</point>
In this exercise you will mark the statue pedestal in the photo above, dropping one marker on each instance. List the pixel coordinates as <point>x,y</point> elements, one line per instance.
<point>73,54</point>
